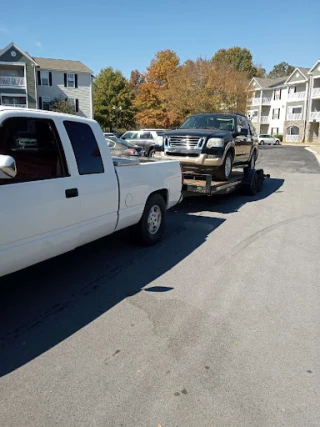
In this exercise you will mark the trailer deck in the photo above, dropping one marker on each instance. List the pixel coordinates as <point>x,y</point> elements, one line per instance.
<point>249,180</point>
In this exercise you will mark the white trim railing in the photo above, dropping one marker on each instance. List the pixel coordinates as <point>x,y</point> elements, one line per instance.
<point>315,115</point>
<point>296,96</point>
<point>316,92</point>
<point>264,119</point>
<point>296,116</point>
<point>266,101</point>
<point>12,81</point>
<point>255,101</point>
<point>255,119</point>
<point>15,105</point>
<point>292,138</point>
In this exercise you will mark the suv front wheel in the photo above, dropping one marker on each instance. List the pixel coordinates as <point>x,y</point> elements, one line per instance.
<point>225,170</point>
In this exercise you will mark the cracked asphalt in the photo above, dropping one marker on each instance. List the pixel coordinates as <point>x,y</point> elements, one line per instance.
<point>216,326</point>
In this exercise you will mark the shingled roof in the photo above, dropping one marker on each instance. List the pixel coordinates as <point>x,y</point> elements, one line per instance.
<point>59,64</point>
<point>62,65</point>
<point>265,82</point>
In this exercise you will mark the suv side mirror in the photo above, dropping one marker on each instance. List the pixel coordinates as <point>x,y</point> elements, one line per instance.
<point>8,168</point>
<point>244,132</point>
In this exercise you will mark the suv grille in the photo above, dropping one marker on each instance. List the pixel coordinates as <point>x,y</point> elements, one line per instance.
<point>185,141</point>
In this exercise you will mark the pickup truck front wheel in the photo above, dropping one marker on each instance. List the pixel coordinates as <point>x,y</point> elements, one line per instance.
<point>151,227</point>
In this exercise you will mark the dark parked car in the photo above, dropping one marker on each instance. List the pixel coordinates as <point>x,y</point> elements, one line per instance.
<point>120,147</point>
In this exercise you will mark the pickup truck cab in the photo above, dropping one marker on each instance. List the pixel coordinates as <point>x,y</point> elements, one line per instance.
<point>212,143</point>
<point>60,188</point>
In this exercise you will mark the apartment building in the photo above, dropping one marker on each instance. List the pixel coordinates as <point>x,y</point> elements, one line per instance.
<point>267,104</point>
<point>33,82</point>
<point>288,105</point>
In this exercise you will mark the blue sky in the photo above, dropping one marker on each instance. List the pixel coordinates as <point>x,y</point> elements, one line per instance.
<point>126,34</point>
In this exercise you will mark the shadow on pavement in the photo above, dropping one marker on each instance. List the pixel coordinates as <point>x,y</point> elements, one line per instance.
<point>45,304</point>
<point>232,202</point>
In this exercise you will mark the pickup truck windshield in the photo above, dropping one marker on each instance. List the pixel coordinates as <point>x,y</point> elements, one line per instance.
<point>209,121</point>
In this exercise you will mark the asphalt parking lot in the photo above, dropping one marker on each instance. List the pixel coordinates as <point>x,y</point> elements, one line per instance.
<point>216,326</point>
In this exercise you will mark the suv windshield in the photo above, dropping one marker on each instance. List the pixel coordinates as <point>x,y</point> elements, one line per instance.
<point>209,121</point>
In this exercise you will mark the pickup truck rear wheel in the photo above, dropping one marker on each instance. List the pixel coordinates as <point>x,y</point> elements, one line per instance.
<point>224,172</point>
<point>151,227</point>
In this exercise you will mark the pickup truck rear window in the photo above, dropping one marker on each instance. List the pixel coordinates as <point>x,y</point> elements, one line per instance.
<point>85,147</point>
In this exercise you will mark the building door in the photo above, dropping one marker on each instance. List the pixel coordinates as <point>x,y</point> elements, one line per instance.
<point>314,132</point>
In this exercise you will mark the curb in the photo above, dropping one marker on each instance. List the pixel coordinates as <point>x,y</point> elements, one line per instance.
<point>315,153</point>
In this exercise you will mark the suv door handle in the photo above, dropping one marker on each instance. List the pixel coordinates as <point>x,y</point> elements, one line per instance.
<point>72,192</point>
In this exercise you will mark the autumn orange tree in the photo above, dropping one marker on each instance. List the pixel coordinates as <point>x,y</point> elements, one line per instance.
<point>151,95</point>
<point>200,86</point>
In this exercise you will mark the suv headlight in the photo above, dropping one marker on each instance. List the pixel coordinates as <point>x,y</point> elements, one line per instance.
<point>215,142</point>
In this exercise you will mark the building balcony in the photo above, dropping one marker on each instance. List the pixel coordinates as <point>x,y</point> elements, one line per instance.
<point>296,96</point>
<point>266,101</point>
<point>292,138</point>
<point>255,119</point>
<point>264,119</point>
<point>315,116</point>
<point>255,101</point>
<point>294,117</point>
<point>315,93</point>
<point>13,82</point>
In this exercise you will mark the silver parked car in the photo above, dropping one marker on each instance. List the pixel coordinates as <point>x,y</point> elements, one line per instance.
<point>265,139</point>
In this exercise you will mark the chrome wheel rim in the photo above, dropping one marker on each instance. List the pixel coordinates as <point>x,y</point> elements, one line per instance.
<point>154,219</point>
<point>228,166</point>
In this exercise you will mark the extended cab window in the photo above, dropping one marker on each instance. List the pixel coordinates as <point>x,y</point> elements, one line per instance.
<point>85,147</point>
<point>36,148</point>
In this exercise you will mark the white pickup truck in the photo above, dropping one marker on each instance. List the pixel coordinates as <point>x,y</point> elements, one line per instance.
<point>60,188</point>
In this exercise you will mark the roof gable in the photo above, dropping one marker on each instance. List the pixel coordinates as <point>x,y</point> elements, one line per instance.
<point>253,84</point>
<point>316,66</point>
<point>298,75</point>
<point>267,83</point>
<point>14,46</point>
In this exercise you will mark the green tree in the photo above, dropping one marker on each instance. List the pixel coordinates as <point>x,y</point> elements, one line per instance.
<point>113,100</point>
<point>62,105</point>
<point>281,70</point>
<point>239,59</point>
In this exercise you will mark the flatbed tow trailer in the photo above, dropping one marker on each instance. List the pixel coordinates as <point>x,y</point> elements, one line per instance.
<point>250,181</point>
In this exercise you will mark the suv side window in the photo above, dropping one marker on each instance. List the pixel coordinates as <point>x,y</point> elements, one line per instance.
<point>85,147</point>
<point>241,124</point>
<point>146,135</point>
<point>36,148</point>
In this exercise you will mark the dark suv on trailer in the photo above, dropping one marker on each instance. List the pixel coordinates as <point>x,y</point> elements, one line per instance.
<point>212,143</point>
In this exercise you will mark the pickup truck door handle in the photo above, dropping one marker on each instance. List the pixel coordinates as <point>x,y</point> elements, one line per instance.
<point>72,192</point>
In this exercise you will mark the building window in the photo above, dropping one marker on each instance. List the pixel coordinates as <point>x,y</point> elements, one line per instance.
<point>46,100</point>
<point>293,130</point>
<point>277,94</point>
<point>70,80</point>
<point>274,131</point>
<point>276,113</point>
<point>45,78</point>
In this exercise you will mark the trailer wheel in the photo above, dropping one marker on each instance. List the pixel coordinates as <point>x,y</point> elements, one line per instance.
<point>151,227</point>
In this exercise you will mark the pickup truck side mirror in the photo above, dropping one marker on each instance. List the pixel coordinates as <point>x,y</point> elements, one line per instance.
<point>8,168</point>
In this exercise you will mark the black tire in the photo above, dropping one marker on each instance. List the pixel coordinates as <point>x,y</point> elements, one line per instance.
<point>141,231</point>
<point>223,173</point>
<point>261,142</point>
<point>253,159</point>
<point>152,152</point>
